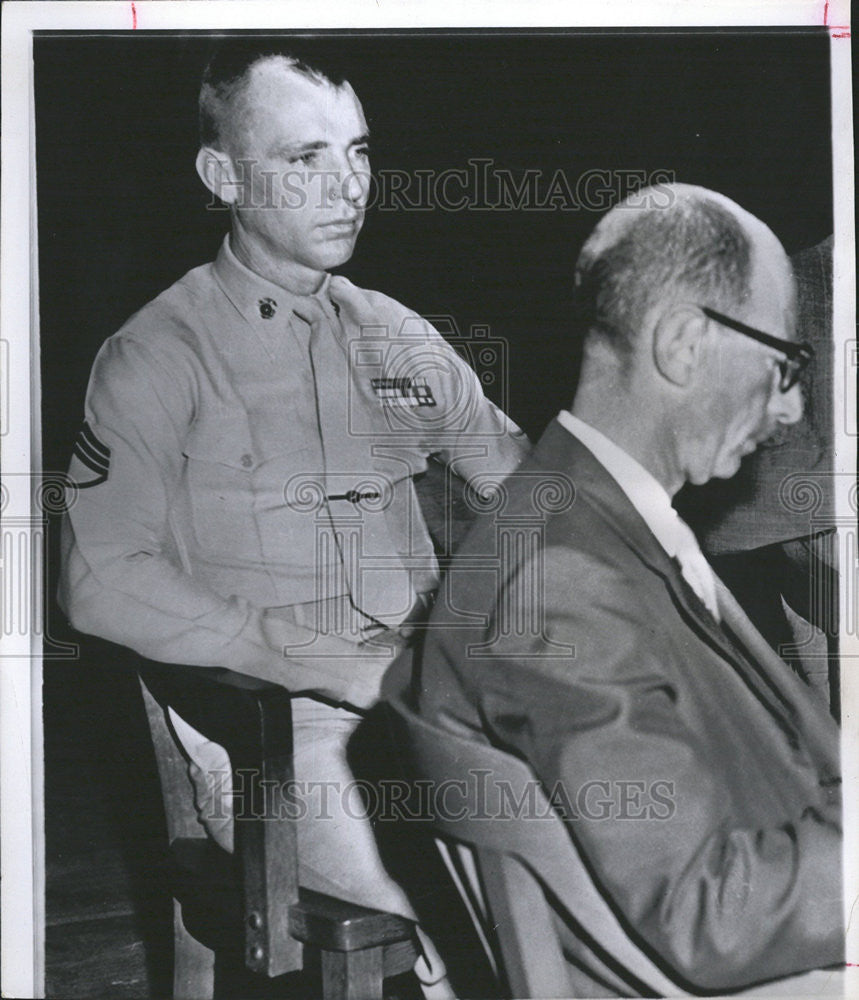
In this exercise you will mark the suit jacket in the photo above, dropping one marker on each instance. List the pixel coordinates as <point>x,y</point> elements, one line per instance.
<point>700,782</point>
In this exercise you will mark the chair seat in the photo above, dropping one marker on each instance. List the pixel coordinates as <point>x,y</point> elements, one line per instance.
<point>335,925</point>
<point>206,881</point>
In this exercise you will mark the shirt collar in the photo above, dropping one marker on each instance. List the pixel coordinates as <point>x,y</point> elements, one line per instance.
<point>644,492</point>
<point>256,298</point>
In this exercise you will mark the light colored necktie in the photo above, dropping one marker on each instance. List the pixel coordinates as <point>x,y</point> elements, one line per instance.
<point>357,494</point>
<point>696,571</point>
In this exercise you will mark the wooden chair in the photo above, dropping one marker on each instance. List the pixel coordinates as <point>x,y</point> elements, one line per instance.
<point>253,896</point>
<point>523,877</point>
<point>251,900</point>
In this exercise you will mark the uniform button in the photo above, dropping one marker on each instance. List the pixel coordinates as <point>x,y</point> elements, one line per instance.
<point>267,308</point>
<point>247,460</point>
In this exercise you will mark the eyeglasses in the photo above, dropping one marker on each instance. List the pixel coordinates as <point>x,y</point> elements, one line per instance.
<point>797,356</point>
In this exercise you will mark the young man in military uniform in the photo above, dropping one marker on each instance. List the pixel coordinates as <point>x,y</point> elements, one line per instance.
<point>244,475</point>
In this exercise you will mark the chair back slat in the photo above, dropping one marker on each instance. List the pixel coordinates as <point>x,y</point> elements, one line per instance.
<point>254,722</point>
<point>534,965</point>
<point>177,792</point>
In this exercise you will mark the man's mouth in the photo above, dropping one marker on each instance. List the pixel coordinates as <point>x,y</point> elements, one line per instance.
<point>777,437</point>
<point>340,228</point>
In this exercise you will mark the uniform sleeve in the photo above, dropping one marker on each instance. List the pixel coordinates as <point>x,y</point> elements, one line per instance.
<point>723,902</point>
<point>123,576</point>
<point>470,433</point>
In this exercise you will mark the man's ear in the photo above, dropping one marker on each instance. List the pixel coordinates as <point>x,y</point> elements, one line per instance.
<point>216,171</point>
<point>678,343</point>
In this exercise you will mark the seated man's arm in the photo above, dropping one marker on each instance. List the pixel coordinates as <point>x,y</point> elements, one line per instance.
<point>664,788</point>
<point>124,574</point>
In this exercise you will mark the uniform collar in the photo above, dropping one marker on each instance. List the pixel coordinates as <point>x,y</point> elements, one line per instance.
<point>260,302</point>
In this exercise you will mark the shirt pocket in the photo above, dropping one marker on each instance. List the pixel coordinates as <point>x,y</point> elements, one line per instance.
<point>219,469</point>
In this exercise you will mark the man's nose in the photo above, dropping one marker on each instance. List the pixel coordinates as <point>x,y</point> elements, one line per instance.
<point>786,407</point>
<point>354,186</point>
<point>349,184</point>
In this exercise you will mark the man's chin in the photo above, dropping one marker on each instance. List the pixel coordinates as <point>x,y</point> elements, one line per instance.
<point>725,468</point>
<point>335,253</point>
<point>729,466</point>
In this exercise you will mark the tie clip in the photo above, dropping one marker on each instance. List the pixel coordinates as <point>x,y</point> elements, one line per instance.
<point>353,496</point>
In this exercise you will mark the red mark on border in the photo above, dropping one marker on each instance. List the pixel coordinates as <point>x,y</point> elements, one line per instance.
<point>134,16</point>
<point>836,30</point>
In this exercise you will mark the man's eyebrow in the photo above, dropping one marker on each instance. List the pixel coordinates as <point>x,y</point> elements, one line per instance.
<point>299,147</point>
<point>291,148</point>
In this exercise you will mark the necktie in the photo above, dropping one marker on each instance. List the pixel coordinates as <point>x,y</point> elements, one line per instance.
<point>694,567</point>
<point>806,714</point>
<point>357,494</point>
<point>739,623</point>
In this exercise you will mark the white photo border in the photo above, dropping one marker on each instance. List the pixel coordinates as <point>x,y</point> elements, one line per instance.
<point>21,757</point>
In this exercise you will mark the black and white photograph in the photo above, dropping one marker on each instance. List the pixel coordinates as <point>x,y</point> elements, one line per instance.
<point>429,502</point>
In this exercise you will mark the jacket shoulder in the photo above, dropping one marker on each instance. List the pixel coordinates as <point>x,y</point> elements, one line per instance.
<point>180,313</point>
<point>400,320</point>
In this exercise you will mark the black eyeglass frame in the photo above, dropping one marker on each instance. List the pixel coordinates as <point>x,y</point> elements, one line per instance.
<point>797,356</point>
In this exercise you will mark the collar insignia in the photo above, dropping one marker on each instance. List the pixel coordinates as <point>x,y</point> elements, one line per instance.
<point>267,308</point>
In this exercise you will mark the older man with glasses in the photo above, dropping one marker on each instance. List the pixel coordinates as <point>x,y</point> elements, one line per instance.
<point>698,775</point>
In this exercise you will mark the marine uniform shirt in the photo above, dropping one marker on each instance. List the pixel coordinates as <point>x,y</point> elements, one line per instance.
<point>199,468</point>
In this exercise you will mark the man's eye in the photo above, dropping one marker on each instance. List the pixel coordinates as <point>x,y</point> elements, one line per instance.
<point>304,158</point>
<point>363,152</point>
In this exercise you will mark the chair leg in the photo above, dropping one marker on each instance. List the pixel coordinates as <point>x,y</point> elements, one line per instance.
<point>352,975</point>
<point>193,963</point>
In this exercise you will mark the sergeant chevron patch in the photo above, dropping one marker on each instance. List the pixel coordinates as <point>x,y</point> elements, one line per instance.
<point>93,454</point>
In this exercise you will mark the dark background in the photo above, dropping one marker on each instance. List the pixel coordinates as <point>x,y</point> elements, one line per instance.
<point>122,215</point>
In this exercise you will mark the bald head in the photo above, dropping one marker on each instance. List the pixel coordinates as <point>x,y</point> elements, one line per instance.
<point>680,390</point>
<point>225,104</point>
<point>669,244</point>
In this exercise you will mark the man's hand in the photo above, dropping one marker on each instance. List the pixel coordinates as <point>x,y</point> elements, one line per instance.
<point>335,667</point>
<point>384,647</point>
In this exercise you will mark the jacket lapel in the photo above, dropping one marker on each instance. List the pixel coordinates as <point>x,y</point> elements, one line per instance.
<point>738,641</point>
<point>560,450</point>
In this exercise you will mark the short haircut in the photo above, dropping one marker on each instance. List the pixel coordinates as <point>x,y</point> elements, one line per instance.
<point>693,248</point>
<point>227,74</point>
